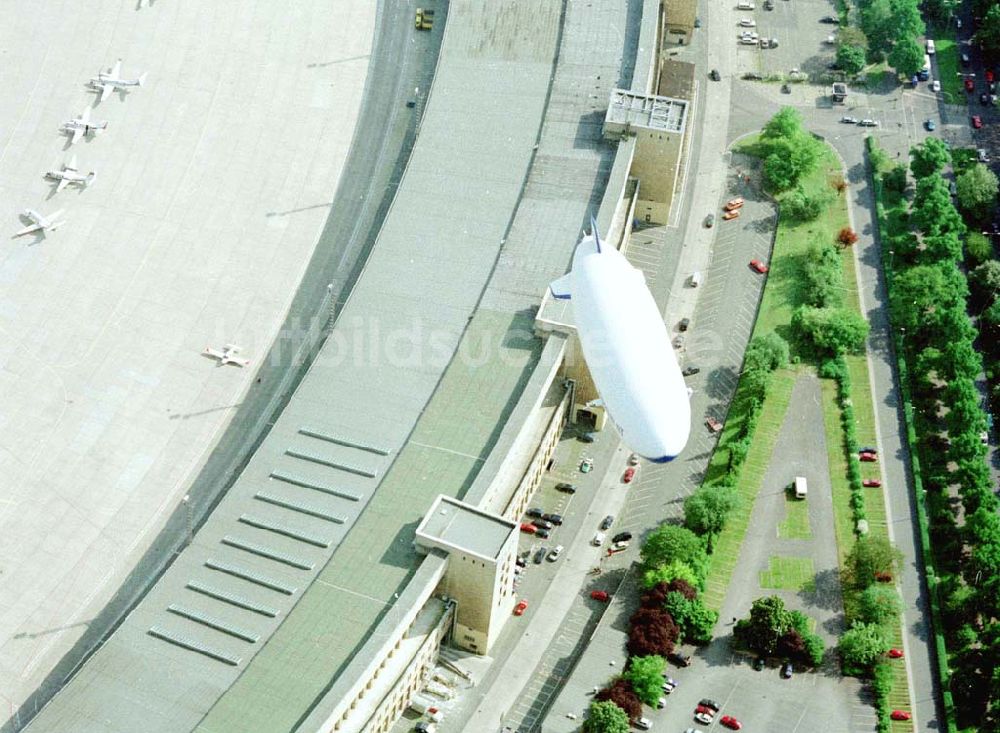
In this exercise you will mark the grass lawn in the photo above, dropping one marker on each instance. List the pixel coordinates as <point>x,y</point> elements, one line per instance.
<point>947,70</point>
<point>727,545</point>
<point>796,524</point>
<point>789,573</point>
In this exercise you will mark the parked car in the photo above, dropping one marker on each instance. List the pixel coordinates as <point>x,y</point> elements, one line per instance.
<point>690,371</point>
<point>622,537</point>
<point>929,124</point>
<point>520,608</point>
<point>661,703</point>
<point>703,718</point>
<point>866,457</point>
<point>542,534</point>
<point>868,449</point>
<point>787,670</point>
<point>542,524</point>
<point>710,704</point>
<point>935,86</point>
<point>669,681</point>
<point>730,215</point>
<point>989,76</point>
<point>899,715</point>
<point>678,341</point>
<point>710,221</point>
<point>681,659</point>
<point>872,483</point>
<point>528,528</point>
<point>633,459</point>
<point>607,521</point>
<point>714,75</point>
<point>977,122</point>
<point>984,99</point>
<point>735,203</point>
<point>628,475</point>
<point>714,425</point>
<point>768,4</point>
<point>586,437</point>
<point>643,724</point>
<point>535,512</point>
<point>682,324</point>
<point>970,85</point>
<point>758,663</point>
<point>598,539</point>
<point>540,554</point>
<point>520,562</point>
<point>555,553</point>
<point>895,654</point>
<point>730,722</point>
<point>868,123</point>
<point>566,488</point>
<point>555,519</point>
<point>829,19</point>
<point>849,120</point>
<point>747,23</point>
<point>586,465</point>
<point>759,266</point>
<point>600,595</point>
<point>619,546</point>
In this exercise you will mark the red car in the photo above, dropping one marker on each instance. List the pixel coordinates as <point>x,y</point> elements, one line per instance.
<point>899,715</point>
<point>714,425</point>
<point>730,722</point>
<point>871,483</point>
<point>520,608</point>
<point>734,204</point>
<point>989,76</point>
<point>759,266</point>
<point>529,528</point>
<point>868,457</point>
<point>731,214</point>
<point>628,475</point>
<point>977,121</point>
<point>969,84</point>
<point>600,595</point>
<point>895,653</point>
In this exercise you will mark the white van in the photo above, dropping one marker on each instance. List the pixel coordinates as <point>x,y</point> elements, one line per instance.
<point>801,488</point>
<point>598,539</point>
<point>696,278</point>
<point>930,47</point>
<point>745,5</point>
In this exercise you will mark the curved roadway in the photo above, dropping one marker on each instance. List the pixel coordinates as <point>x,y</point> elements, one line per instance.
<point>214,184</point>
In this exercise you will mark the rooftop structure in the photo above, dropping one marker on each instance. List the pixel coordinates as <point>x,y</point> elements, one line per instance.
<point>452,525</point>
<point>628,110</point>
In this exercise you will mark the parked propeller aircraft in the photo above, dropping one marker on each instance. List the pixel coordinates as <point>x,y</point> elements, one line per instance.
<point>71,174</point>
<point>41,223</point>
<point>80,126</point>
<point>227,355</point>
<point>109,81</point>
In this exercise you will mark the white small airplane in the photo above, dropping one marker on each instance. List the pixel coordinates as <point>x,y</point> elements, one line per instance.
<point>41,223</point>
<point>109,81</point>
<point>71,174</point>
<point>226,356</point>
<point>80,126</point>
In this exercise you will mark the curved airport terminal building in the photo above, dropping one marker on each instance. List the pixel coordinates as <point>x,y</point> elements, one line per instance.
<point>370,205</point>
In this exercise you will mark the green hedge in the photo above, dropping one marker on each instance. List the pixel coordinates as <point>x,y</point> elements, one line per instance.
<point>944,674</point>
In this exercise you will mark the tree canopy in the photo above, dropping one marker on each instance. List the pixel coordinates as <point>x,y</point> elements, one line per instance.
<point>989,30</point>
<point>871,556</point>
<point>605,717</point>
<point>928,157</point>
<point>769,620</point>
<point>645,674</point>
<point>851,58</point>
<point>669,542</point>
<point>907,57</point>
<point>705,511</point>
<point>862,646</point>
<point>788,150</point>
<point>880,604</point>
<point>977,191</point>
<point>834,330</point>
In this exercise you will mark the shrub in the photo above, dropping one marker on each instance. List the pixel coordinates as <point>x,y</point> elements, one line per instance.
<point>847,236</point>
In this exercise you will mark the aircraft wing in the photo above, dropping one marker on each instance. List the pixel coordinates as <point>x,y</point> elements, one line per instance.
<point>63,182</point>
<point>29,229</point>
<point>72,165</point>
<point>116,70</point>
<point>77,134</point>
<point>106,90</point>
<point>85,117</point>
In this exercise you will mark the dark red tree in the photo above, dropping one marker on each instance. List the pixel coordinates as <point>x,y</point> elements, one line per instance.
<point>684,588</point>
<point>655,596</point>
<point>652,631</point>
<point>792,646</point>
<point>620,692</point>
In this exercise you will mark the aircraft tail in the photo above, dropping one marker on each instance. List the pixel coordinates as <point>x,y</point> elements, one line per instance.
<point>595,233</point>
<point>142,78</point>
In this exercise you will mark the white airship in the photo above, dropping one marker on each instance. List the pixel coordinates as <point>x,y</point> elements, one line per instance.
<point>627,349</point>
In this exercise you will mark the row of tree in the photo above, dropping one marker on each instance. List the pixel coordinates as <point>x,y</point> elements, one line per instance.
<point>929,300</point>
<point>890,30</point>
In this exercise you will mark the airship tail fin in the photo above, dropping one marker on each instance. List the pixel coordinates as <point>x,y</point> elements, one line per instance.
<point>595,234</point>
<point>561,288</point>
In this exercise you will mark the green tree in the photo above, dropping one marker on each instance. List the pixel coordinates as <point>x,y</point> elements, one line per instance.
<point>907,57</point>
<point>862,646</point>
<point>940,11</point>
<point>767,352</point>
<point>871,556</point>
<point>929,157</point>
<point>705,511</point>
<point>605,717</point>
<point>985,280</point>
<point>853,36</point>
<point>824,275</point>
<point>675,570</point>
<point>877,23</point>
<point>879,604</point>
<point>923,295</point>
<point>978,248</point>
<point>768,622</point>
<point>786,124</point>
<point>835,330</point>
<point>962,360</point>
<point>851,58</point>
<point>977,191</point>
<point>895,178</point>
<point>946,246</point>
<point>646,676</point>
<point>668,543</point>
<point>779,171</point>
<point>988,34</point>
